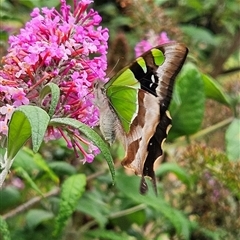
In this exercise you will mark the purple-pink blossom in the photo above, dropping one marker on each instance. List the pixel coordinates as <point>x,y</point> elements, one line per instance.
<point>66,47</point>
<point>151,41</point>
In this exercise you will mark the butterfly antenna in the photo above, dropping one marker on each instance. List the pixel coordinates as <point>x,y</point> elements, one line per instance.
<point>115,65</point>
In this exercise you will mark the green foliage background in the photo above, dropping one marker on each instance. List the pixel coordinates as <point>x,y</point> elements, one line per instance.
<point>198,179</point>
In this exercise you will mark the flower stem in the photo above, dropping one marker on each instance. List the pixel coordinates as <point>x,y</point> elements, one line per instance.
<point>6,167</point>
<point>202,133</point>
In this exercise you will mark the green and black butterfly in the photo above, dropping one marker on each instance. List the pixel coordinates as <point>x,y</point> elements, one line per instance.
<point>133,107</point>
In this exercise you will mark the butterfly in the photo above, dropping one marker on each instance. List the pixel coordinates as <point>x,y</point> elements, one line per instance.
<point>133,107</point>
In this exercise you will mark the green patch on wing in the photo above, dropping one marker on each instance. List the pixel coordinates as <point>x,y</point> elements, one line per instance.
<point>158,56</point>
<point>122,92</point>
<point>142,63</point>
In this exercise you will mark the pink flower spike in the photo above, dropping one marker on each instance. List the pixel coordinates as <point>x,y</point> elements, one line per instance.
<point>67,48</point>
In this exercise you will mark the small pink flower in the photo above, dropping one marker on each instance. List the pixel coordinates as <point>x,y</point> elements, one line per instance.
<point>18,183</point>
<point>151,41</point>
<point>93,149</point>
<point>7,110</point>
<point>20,99</point>
<point>3,128</point>
<point>89,157</point>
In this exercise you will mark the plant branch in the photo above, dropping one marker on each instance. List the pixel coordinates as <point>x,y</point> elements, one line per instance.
<point>30,203</point>
<point>122,213</point>
<point>127,211</point>
<point>6,165</point>
<point>35,200</point>
<point>182,140</point>
<point>231,70</point>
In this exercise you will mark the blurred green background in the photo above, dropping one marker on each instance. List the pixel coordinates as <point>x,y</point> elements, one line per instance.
<point>198,179</point>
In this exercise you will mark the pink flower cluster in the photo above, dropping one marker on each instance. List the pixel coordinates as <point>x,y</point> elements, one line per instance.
<point>63,47</point>
<point>151,41</point>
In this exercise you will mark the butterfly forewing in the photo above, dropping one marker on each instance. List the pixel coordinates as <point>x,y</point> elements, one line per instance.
<point>175,55</point>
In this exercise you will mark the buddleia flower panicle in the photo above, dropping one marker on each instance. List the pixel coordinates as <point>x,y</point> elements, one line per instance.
<point>152,40</point>
<point>66,47</point>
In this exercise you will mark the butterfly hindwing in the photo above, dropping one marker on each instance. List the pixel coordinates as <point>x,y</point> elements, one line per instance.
<point>141,132</point>
<point>155,151</point>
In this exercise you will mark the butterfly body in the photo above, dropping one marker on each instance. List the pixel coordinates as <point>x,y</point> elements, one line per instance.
<point>109,123</point>
<point>133,107</point>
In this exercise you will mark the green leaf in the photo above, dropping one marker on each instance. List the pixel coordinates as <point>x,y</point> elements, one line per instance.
<point>21,172</point>
<point>29,3</point>
<point>200,34</point>
<point>37,216</point>
<point>9,196</point>
<point>107,234</point>
<point>90,134</point>
<point>181,174</point>
<point>33,163</point>
<point>93,205</point>
<point>41,162</point>
<point>24,159</point>
<point>3,36</point>
<point>4,232</point>
<point>208,234</point>
<point>71,191</point>
<point>26,122</point>
<point>214,91</point>
<point>187,105</point>
<point>53,89</point>
<point>128,187</point>
<point>62,168</point>
<point>232,138</point>
<point>136,217</point>
<point>39,3</point>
